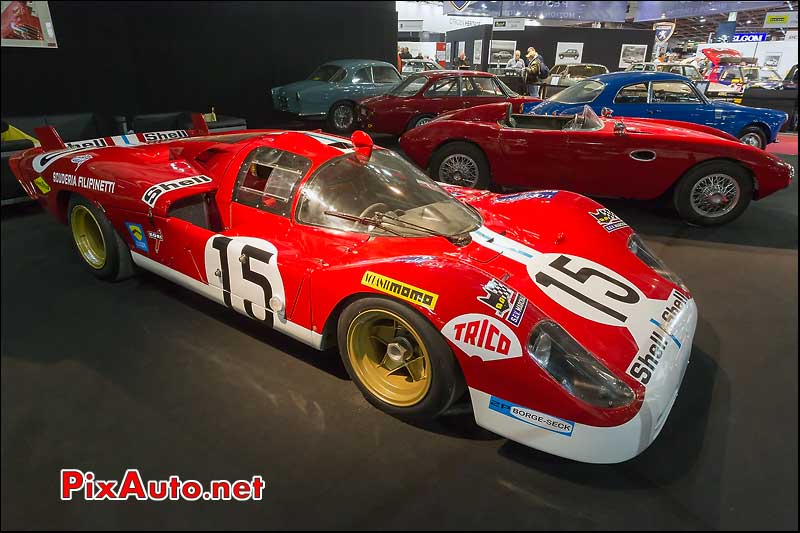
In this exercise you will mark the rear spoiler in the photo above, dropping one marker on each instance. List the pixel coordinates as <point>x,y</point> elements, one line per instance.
<point>51,140</point>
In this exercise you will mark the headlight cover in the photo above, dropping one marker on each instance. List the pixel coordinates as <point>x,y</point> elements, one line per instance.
<point>638,248</point>
<point>575,369</point>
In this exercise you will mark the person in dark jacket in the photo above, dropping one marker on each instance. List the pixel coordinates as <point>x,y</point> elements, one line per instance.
<point>533,71</point>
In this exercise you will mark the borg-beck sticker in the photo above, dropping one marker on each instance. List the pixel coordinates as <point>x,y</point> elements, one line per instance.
<point>83,182</point>
<point>137,234</point>
<point>151,195</point>
<point>606,218</point>
<point>507,303</point>
<point>545,195</point>
<point>401,290</point>
<point>534,418</point>
<point>41,185</point>
<point>483,336</point>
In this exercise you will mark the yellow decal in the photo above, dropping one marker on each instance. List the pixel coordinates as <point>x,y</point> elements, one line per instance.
<point>42,185</point>
<point>404,291</point>
<point>136,231</point>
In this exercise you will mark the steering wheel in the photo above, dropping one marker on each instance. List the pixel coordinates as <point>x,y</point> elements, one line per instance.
<point>374,208</point>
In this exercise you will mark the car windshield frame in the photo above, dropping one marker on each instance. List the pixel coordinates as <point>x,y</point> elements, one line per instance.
<point>585,66</point>
<point>447,207</point>
<point>506,89</point>
<point>774,76</point>
<point>338,73</point>
<point>576,89</point>
<point>397,91</point>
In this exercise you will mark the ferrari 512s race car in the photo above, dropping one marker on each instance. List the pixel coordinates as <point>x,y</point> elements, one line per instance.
<point>569,333</point>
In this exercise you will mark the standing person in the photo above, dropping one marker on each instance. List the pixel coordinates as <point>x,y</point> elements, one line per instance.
<point>516,61</point>
<point>462,62</point>
<point>537,70</point>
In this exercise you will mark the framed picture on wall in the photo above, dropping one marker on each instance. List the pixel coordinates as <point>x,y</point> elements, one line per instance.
<point>501,51</point>
<point>448,52</point>
<point>569,53</point>
<point>476,53</point>
<point>632,53</point>
<point>27,24</point>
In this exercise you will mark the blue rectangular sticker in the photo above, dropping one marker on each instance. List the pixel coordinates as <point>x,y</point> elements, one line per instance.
<point>531,417</point>
<point>137,234</point>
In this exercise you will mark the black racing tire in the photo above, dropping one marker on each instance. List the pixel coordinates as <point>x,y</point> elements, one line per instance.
<point>87,222</point>
<point>753,132</point>
<point>414,122</point>
<point>446,382</point>
<point>470,151</point>
<point>332,121</point>
<point>682,196</point>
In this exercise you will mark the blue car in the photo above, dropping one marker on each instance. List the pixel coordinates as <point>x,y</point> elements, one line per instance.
<point>331,91</point>
<point>664,96</point>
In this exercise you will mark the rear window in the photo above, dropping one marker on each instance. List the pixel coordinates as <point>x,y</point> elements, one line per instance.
<point>632,94</point>
<point>580,93</point>
<point>327,73</point>
<point>385,75</point>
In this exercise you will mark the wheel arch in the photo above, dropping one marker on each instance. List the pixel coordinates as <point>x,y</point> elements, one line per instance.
<point>671,189</point>
<point>765,129</point>
<point>455,140</point>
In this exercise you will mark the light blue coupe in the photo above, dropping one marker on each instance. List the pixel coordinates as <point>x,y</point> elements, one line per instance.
<point>333,89</point>
<point>664,96</point>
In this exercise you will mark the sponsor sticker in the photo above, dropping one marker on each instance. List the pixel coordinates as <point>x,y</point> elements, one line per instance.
<point>83,182</point>
<point>137,234</point>
<point>608,220</point>
<point>151,195</point>
<point>483,336</point>
<point>404,291</point>
<point>662,335</point>
<point>157,236</point>
<point>507,303</point>
<point>80,159</point>
<point>531,417</point>
<point>547,195</point>
<point>41,185</point>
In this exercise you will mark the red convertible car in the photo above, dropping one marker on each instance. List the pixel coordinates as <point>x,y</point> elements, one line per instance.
<point>421,97</point>
<point>709,175</point>
<point>569,334</point>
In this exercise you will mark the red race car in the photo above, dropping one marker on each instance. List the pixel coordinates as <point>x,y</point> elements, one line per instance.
<point>710,176</point>
<point>421,97</point>
<point>570,335</point>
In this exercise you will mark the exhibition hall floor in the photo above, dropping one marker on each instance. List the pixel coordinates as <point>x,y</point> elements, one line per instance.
<point>144,374</point>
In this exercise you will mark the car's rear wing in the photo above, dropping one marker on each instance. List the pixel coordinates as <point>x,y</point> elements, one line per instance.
<point>50,139</point>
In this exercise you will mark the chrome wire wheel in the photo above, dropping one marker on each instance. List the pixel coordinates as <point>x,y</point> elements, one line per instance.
<point>388,357</point>
<point>423,121</point>
<point>88,236</point>
<point>751,139</point>
<point>343,117</point>
<point>459,169</point>
<point>714,195</point>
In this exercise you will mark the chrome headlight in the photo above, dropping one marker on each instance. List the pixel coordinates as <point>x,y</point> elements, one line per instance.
<point>575,369</point>
<point>638,248</point>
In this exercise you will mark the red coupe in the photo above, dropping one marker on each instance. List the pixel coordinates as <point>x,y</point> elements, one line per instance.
<point>709,175</point>
<point>569,334</point>
<point>423,96</point>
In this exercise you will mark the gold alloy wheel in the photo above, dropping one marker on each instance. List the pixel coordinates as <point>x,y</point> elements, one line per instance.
<point>389,357</point>
<point>88,236</point>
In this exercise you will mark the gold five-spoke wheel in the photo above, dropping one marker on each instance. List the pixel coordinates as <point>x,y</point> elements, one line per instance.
<point>389,357</point>
<point>88,236</point>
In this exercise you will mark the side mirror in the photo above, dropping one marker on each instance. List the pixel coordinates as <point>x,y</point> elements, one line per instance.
<point>363,144</point>
<point>606,112</point>
<point>619,127</point>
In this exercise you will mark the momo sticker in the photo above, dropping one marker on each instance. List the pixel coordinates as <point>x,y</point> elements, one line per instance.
<point>402,290</point>
<point>483,336</point>
<point>531,417</point>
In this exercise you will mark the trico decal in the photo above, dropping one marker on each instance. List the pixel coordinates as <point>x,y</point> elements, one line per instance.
<point>41,185</point>
<point>83,182</point>
<point>404,291</point>
<point>644,365</point>
<point>529,416</point>
<point>606,218</point>
<point>507,304</point>
<point>80,159</point>
<point>483,336</point>
<point>245,270</point>
<point>586,288</point>
<point>151,195</point>
<point>545,195</point>
<point>137,234</point>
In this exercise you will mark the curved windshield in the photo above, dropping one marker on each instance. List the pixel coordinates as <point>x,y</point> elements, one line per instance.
<point>384,186</point>
<point>410,86</point>
<point>587,120</point>
<point>509,92</point>
<point>580,93</point>
<point>327,73</point>
<point>760,74</point>
<point>585,71</point>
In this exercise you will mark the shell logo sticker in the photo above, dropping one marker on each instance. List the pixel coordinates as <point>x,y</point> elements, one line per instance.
<point>41,185</point>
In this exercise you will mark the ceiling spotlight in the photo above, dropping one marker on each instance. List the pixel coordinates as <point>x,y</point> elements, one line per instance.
<point>749,21</point>
<point>702,19</point>
<point>541,15</point>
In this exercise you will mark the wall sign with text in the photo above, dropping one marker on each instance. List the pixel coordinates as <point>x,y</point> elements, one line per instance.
<point>27,24</point>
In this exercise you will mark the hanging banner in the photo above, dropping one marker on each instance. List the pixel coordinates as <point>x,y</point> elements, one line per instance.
<point>781,19</point>
<point>612,11</point>
<point>27,24</point>
<point>664,31</point>
<point>651,10</point>
<point>515,24</point>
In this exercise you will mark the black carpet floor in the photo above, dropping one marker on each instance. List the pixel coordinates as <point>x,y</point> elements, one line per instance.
<point>143,374</point>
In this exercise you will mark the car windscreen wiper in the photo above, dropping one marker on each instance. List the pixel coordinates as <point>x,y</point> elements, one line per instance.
<point>458,240</point>
<point>366,221</point>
